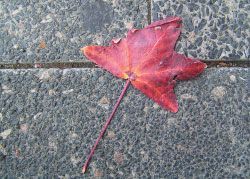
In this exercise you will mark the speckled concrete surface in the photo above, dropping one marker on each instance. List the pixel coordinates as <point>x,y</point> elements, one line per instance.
<point>50,118</point>
<point>213,29</point>
<point>49,31</point>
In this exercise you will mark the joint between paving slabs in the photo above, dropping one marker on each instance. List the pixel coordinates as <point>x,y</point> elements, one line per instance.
<point>64,65</point>
<point>149,15</point>
<point>60,65</point>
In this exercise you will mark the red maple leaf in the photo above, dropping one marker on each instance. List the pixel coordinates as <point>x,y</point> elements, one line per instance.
<point>146,58</point>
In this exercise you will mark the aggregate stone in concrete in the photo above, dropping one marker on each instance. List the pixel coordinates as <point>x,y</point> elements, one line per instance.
<point>213,29</point>
<point>49,119</point>
<point>49,31</point>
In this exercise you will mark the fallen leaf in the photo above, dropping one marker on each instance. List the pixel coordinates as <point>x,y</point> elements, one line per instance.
<point>147,58</point>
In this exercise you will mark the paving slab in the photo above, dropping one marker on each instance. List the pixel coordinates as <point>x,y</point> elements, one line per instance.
<point>213,29</point>
<point>49,119</point>
<point>49,31</point>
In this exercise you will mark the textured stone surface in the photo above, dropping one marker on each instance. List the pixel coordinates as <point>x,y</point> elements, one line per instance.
<point>45,31</point>
<point>49,119</point>
<point>213,29</point>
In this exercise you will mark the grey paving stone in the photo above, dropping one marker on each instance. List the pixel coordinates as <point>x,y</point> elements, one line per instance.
<point>49,31</point>
<point>213,29</point>
<point>50,118</point>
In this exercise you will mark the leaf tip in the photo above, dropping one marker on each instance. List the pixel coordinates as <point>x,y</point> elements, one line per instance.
<point>88,51</point>
<point>170,103</point>
<point>117,40</point>
<point>205,65</point>
<point>84,49</point>
<point>131,32</point>
<point>174,108</point>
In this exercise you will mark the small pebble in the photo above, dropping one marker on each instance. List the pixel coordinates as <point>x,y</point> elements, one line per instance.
<point>232,78</point>
<point>5,133</point>
<point>219,91</point>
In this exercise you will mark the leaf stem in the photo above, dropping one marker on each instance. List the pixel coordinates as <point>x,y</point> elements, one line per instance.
<point>84,168</point>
